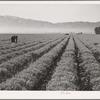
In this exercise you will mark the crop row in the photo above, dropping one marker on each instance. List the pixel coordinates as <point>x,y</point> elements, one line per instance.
<point>18,44</point>
<point>2,52</point>
<point>65,75</point>
<point>89,68</point>
<point>12,55</point>
<point>26,45</point>
<point>30,77</point>
<point>93,48</point>
<point>19,63</point>
<point>23,42</point>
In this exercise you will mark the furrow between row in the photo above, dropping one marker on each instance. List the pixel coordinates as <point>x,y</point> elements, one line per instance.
<point>65,75</point>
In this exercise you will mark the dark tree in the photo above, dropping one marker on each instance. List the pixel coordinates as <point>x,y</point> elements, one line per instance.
<point>97,30</point>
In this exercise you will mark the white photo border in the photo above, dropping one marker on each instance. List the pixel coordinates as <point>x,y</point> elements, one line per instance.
<point>49,94</point>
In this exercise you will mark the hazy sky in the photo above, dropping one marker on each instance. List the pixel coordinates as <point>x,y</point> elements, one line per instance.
<point>53,12</point>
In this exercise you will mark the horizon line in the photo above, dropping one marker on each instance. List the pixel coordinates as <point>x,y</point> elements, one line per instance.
<point>49,21</point>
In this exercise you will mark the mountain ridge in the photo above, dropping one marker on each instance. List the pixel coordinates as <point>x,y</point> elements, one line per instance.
<point>15,24</point>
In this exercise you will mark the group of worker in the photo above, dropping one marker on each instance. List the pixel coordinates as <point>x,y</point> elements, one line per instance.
<point>14,39</point>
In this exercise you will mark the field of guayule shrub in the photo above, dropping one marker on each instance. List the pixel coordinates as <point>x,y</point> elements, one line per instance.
<point>51,63</point>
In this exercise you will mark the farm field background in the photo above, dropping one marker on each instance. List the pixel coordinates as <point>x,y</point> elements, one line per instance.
<point>50,62</point>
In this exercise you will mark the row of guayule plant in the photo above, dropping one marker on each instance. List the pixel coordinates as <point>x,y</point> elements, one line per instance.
<point>17,64</point>
<point>2,52</point>
<point>65,75</point>
<point>26,45</point>
<point>93,48</point>
<point>28,78</point>
<point>25,42</point>
<point>11,55</point>
<point>18,44</point>
<point>89,68</point>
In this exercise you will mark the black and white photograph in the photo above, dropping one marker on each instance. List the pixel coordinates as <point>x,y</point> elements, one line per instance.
<point>49,46</point>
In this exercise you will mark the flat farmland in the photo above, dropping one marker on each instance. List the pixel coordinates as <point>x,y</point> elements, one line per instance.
<point>50,62</point>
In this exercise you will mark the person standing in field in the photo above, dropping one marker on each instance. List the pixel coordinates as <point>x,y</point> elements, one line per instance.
<point>16,38</point>
<point>12,39</point>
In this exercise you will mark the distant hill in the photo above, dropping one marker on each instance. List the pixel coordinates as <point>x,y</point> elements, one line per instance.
<point>12,24</point>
